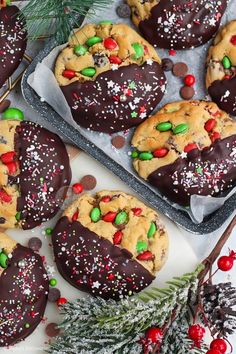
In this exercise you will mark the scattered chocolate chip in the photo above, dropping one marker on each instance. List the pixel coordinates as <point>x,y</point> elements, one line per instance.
<point>180,69</point>
<point>89,182</point>
<point>118,141</point>
<point>167,64</point>
<point>4,105</point>
<point>54,294</point>
<point>187,92</point>
<point>100,60</point>
<point>123,11</point>
<point>52,330</point>
<point>35,243</point>
<point>2,220</point>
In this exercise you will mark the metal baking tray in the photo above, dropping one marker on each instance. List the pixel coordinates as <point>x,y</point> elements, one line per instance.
<point>210,223</point>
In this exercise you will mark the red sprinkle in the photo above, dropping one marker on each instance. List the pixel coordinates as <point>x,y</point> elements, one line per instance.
<point>110,43</point>
<point>111,277</point>
<point>4,197</point>
<point>189,80</point>
<point>233,40</point>
<point>215,136</point>
<point>210,125</point>
<point>160,152</point>
<point>172,52</point>
<point>77,188</point>
<point>145,256</point>
<point>115,60</point>
<point>75,216</point>
<point>190,147</point>
<point>137,211</point>
<point>106,199</point>
<point>117,238</point>
<point>12,167</point>
<point>8,157</point>
<point>69,74</point>
<point>109,217</point>
<point>61,301</point>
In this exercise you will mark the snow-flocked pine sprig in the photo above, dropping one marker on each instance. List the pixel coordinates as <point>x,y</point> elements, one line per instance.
<point>93,325</point>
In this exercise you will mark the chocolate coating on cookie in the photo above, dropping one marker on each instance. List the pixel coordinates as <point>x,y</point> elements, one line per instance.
<point>224,94</point>
<point>178,24</point>
<point>12,41</point>
<point>23,296</point>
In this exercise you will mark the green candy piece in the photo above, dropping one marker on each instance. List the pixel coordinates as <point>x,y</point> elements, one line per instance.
<point>18,216</point>
<point>3,260</point>
<point>141,246</point>
<point>152,230</point>
<point>93,40</point>
<point>48,231</point>
<point>80,50</point>
<point>164,127</point>
<point>181,128</point>
<point>95,214</point>
<point>139,51</point>
<point>13,113</point>
<point>134,154</point>
<point>90,72</point>
<point>121,218</point>
<point>105,23</point>
<point>146,156</point>
<point>226,62</point>
<point>53,282</point>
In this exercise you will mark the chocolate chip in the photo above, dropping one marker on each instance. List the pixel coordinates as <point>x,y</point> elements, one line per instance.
<point>118,141</point>
<point>4,105</point>
<point>167,64</point>
<point>2,220</point>
<point>35,243</point>
<point>187,92</point>
<point>123,11</point>
<point>180,69</point>
<point>52,330</point>
<point>54,294</point>
<point>100,60</point>
<point>89,182</point>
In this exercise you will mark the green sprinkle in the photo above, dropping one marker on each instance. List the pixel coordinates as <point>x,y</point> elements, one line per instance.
<point>226,62</point>
<point>134,154</point>
<point>3,260</point>
<point>141,246</point>
<point>139,51</point>
<point>180,129</point>
<point>13,113</point>
<point>132,85</point>
<point>146,156</point>
<point>41,179</point>
<point>80,50</point>
<point>18,216</point>
<point>164,127</point>
<point>121,218</point>
<point>90,72</point>
<point>27,325</point>
<point>134,114</point>
<point>48,231</point>
<point>53,282</point>
<point>199,170</point>
<point>95,214</point>
<point>152,230</point>
<point>93,40</point>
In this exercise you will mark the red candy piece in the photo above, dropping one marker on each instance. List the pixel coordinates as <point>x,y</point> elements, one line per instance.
<point>233,40</point>
<point>160,152</point>
<point>145,256</point>
<point>227,77</point>
<point>8,157</point>
<point>62,301</point>
<point>117,238</point>
<point>210,125</point>
<point>137,211</point>
<point>12,167</point>
<point>154,335</point>
<point>115,60</point>
<point>189,80</point>
<point>75,216</point>
<point>109,217</point>
<point>172,52</point>
<point>213,351</point>
<point>4,197</point>
<point>215,136</point>
<point>219,344</point>
<point>190,147</point>
<point>77,188</point>
<point>110,43</point>
<point>106,199</point>
<point>196,332</point>
<point>69,74</point>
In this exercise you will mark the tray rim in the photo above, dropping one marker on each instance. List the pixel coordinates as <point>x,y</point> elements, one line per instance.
<point>213,223</point>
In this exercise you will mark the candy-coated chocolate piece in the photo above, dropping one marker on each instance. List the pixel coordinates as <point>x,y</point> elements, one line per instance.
<point>69,74</point>
<point>13,113</point>
<point>163,127</point>
<point>210,125</point>
<point>152,230</point>
<point>90,72</point>
<point>80,50</point>
<point>3,260</point>
<point>181,128</point>
<point>121,218</point>
<point>141,246</point>
<point>226,62</point>
<point>139,51</point>
<point>93,40</point>
<point>110,43</point>
<point>109,217</point>
<point>162,152</point>
<point>146,156</point>
<point>95,214</point>
<point>117,238</point>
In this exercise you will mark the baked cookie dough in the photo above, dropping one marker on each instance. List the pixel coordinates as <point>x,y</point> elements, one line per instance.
<point>34,174</point>
<point>177,24</point>
<point>111,77</point>
<point>13,41</point>
<point>187,148</point>
<point>221,69</point>
<point>24,288</point>
<point>110,245</point>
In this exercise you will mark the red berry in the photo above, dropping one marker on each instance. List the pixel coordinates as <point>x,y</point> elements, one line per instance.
<point>106,199</point>
<point>62,301</point>
<point>77,188</point>
<point>145,256</point>
<point>117,238</point>
<point>4,197</point>
<point>210,125</point>
<point>115,60</point>
<point>233,40</point>
<point>137,211</point>
<point>12,167</point>
<point>215,136</point>
<point>190,147</point>
<point>225,263</point>
<point>189,80</point>
<point>154,335</point>
<point>69,74</point>
<point>219,344</point>
<point>8,157</point>
<point>213,351</point>
<point>75,216</point>
<point>110,43</point>
<point>196,332</point>
<point>160,152</point>
<point>109,217</point>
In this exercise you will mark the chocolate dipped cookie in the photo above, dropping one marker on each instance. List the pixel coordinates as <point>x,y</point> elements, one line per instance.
<point>221,69</point>
<point>187,148</point>
<point>110,76</point>
<point>13,41</point>
<point>110,245</point>
<point>34,173</point>
<point>177,24</point>
<point>24,289</point>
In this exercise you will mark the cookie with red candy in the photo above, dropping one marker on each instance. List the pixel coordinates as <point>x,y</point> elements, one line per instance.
<point>110,245</point>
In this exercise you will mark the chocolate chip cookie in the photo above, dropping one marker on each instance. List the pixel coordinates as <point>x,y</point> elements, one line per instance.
<point>24,289</point>
<point>34,174</point>
<point>110,245</point>
<point>187,148</point>
<point>111,77</point>
<point>177,24</point>
<point>221,69</point>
